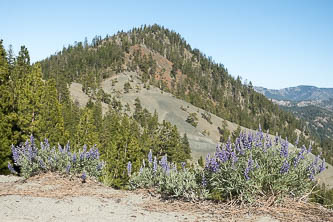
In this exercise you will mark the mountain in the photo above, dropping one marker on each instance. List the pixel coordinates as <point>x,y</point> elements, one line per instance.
<point>312,105</point>
<point>298,93</point>
<point>162,58</point>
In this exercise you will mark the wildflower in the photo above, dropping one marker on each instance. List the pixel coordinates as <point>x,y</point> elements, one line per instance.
<point>143,163</point>
<point>32,140</point>
<point>297,140</point>
<point>204,181</point>
<point>67,147</point>
<point>83,177</point>
<point>284,149</point>
<point>129,168</point>
<point>68,168</point>
<point>164,163</point>
<point>207,160</point>
<point>42,164</point>
<point>310,149</point>
<point>248,168</point>
<point>285,167</point>
<point>300,156</point>
<point>74,158</point>
<point>150,156</point>
<point>183,165</point>
<point>16,155</point>
<point>155,165</point>
<point>84,148</point>
<point>213,165</point>
<point>11,168</point>
<point>322,166</point>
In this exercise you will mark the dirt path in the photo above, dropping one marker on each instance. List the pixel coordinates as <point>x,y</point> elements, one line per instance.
<point>50,197</point>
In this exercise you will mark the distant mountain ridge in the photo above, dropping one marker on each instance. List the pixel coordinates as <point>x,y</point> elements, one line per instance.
<point>298,93</point>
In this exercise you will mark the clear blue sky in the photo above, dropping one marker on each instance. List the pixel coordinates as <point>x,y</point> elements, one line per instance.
<point>274,44</point>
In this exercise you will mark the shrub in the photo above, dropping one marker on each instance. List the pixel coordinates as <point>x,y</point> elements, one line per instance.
<point>255,166</point>
<point>168,180</point>
<point>31,160</point>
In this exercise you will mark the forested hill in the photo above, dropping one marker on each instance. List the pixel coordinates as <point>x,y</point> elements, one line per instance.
<point>163,58</point>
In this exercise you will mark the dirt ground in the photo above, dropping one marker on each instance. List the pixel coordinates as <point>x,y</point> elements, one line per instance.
<point>52,197</point>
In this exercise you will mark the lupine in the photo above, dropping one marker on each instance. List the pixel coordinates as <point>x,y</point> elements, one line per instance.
<point>183,165</point>
<point>322,166</point>
<point>164,163</point>
<point>155,165</point>
<point>68,168</point>
<point>285,167</point>
<point>129,168</point>
<point>42,164</point>
<point>84,177</point>
<point>11,168</point>
<point>150,156</point>
<point>74,158</point>
<point>284,149</point>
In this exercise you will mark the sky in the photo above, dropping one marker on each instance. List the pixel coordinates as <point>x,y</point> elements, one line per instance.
<point>274,44</point>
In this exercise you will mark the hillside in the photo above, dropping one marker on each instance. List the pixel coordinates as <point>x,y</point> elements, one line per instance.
<point>298,93</point>
<point>162,58</point>
<point>312,105</point>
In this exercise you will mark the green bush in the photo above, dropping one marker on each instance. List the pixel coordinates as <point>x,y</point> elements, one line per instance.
<point>255,166</point>
<point>31,160</point>
<point>168,180</point>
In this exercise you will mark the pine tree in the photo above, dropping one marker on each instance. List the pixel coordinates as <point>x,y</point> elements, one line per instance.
<point>86,133</point>
<point>5,109</point>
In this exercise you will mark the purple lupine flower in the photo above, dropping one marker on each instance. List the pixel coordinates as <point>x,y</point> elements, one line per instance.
<point>284,149</point>
<point>228,146</point>
<point>155,165</point>
<point>285,167</point>
<point>276,140</point>
<point>204,181</point>
<point>150,156</point>
<point>300,156</point>
<point>315,162</point>
<point>164,163</point>
<point>16,155</point>
<point>297,140</point>
<point>129,168</point>
<point>84,177</point>
<point>82,156</point>
<point>74,158</point>
<point>68,168</point>
<point>11,168</point>
<point>322,166</point>
<point>32,140</point>
<point>67,147</point>
<point>46,142</point>
<point>246,173</point>
<point>222,155</point>
<point>84,148</point>
<point>310,149</point>
<point>213,165</point>
<point>183,165</point>
<point>207,161</point>
<point>141,170</point>
<point>311,171</point>
<point>42,164</point>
